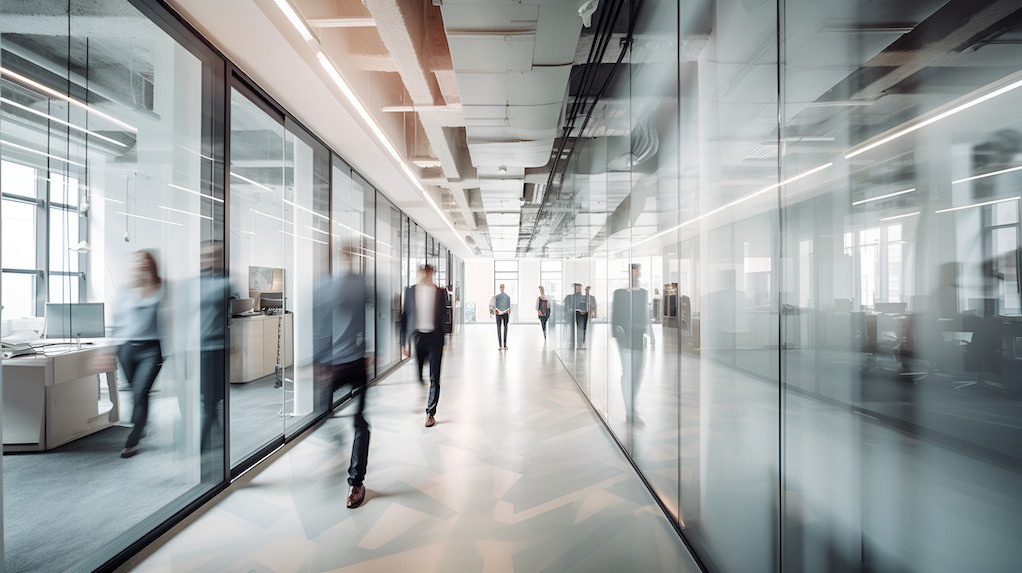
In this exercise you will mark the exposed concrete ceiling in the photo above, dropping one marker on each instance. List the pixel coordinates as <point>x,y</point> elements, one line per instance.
<point>261,41</point>
<point>481,87</point>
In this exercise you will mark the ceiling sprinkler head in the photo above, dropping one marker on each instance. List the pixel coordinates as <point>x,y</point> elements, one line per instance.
<point>586,11</point>
<point>502,170</point>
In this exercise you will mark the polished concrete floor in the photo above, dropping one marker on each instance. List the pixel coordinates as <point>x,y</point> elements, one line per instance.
<point>517,475</point>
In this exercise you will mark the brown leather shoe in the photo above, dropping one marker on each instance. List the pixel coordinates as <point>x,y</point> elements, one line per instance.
<point>430,421</point>
<point>356,496</point>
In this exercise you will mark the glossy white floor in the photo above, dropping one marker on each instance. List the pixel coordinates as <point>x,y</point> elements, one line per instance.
<point>517,475</point>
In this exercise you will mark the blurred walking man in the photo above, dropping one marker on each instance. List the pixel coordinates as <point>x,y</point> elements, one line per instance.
<point>424,324</point>
<point>340,325</point>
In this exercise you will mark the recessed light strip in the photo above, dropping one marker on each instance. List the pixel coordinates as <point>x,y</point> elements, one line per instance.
<point>732,204</point>
<point>882,197</point>
<point>201,216</point>
<point>37,152</point>
<point>295,19</point>
<point>60,121</point>
<point>994,202</point>
<point>958,108</point>
<point>193,192</point>
<point>52,92</point>
<point>149,218</point>
<point>306,209</point>
<point>985,175</point>
<point>362,111</point>
<point>913,214</point>
<point>258,212</point>
<point>250,182</point>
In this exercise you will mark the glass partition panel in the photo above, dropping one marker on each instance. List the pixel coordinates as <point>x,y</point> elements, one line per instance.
<point>347,205</point>
<point>655,208</point>
<point>369,240</point>
<point>388,283</point>
<point>901,330</point>
<point>110,171</point>
<point>261,262</point>
<point>307,207</point>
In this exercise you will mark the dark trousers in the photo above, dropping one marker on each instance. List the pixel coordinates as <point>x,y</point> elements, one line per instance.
<point>212,382</point>
<point>430,346</point>
<point>141,360</point>
<point>542,322</point>
<point>502,340</point>
<point>581,321</point>
<point>351,374</point>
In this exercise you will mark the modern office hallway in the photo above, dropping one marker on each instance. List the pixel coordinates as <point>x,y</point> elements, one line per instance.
<point>517,475</point>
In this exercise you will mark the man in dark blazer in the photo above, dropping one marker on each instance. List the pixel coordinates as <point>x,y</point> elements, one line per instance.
<point>424,322</point>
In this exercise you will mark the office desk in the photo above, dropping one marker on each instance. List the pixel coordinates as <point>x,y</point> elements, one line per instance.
<point>254,341</point>
<point>49,401</point>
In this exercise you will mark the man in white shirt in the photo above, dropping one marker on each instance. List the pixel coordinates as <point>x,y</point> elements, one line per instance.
<point>424,322</point>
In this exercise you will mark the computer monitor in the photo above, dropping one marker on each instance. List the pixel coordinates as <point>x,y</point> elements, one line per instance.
<point>75,320</point>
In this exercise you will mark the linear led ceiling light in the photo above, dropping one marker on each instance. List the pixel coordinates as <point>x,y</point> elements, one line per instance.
<point>189,213</point>
<point>193,192</point>
<point>995,201</point>
<point>985,175</point>
<point>791,179</point>
<point>60,121</point>
<point>948,113</point>
<point>37,152</point>
<point>363,112</point>
<point>295,19</point>
<point>54,93</point>
<point>149,218</point>
<point>882,197</point>
<point>912,214</point>
<point>306,209</point>
<point>249,181</point>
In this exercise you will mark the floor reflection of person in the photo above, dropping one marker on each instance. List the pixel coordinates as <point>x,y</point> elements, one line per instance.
<point>140,355</point>
<point>630,321</point>
<point>340,356</point>
<point>543,309</point>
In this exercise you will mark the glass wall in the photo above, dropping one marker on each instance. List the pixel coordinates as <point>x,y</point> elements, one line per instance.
<point>800,221</point>
<point>159,272</point>
<point>112,215</point>
<point>261,262</point>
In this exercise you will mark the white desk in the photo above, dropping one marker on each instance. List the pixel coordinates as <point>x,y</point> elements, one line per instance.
<point>49,401</point>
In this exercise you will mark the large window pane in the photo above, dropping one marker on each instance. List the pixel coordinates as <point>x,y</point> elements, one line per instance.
<point>19,236</point>
<point>19,297</point>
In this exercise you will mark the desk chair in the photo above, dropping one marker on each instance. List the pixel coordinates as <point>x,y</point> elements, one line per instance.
<point>984,350</point>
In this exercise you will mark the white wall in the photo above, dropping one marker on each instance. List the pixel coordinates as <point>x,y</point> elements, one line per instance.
<point>479,286</point>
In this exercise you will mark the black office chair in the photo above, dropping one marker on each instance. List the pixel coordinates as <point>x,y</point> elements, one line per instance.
<point>982,353</point>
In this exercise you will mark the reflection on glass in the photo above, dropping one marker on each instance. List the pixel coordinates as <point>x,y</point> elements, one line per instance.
<point>833,275</point>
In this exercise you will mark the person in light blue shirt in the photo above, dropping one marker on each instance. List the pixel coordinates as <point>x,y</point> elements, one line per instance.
<point>502,309</point>
<point>140,355</point>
